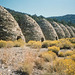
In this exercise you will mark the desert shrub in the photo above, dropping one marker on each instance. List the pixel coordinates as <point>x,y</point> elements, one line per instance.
<point>49,43</point>
<point>39,63</point>
<point>59,67</point>
<point>30,43</point>
<point>48,56</point>
<point>61,54</point>
<point>37,44</point>
<point>64,44</point>
<point>9,44</point>
<point>27,67</point>
<point>34,44</point>
<point>54,49</point>
<point>28,63</point>
<point>3,43</point>
<point>74,51</point>
<point>54,43</point>
<point>54,56</point>
<point>45,44</point>
<point>64,66</point>
<point>19,43</point>
<point>73,45</point>
<point>68,53</point>
<point>73,57</point>
<point>72,40</point>
<point>70,66</point>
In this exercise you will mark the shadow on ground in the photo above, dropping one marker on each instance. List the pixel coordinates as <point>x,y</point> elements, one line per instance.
<point>21,73</point>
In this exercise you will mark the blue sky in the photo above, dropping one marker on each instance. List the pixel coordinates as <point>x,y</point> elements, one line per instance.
<point>46,8</point>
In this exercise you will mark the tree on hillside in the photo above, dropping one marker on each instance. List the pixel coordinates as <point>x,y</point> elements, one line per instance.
<point>63,22</point>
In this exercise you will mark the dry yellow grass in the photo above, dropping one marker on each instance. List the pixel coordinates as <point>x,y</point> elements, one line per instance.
<point>61,54</point>
<point>34,44</point>
<point>65,44</point>
<point>28,63</point>
<point>3,43</point>
<point>64,66</point>
<point>68,53</point>
<point>49,43</point>
<point>39,63</point>
<point>46,60</point>
<point>73,57</point>
<point>9,44</point>
<point>48,56</point>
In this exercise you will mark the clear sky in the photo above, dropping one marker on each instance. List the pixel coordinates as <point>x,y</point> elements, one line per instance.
<point>46,8</point>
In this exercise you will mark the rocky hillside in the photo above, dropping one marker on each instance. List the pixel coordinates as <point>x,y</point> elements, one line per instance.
<point>67,18</point>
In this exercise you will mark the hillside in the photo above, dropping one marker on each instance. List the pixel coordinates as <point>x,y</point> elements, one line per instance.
<point>70,18</point>
<point>66,19</point>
